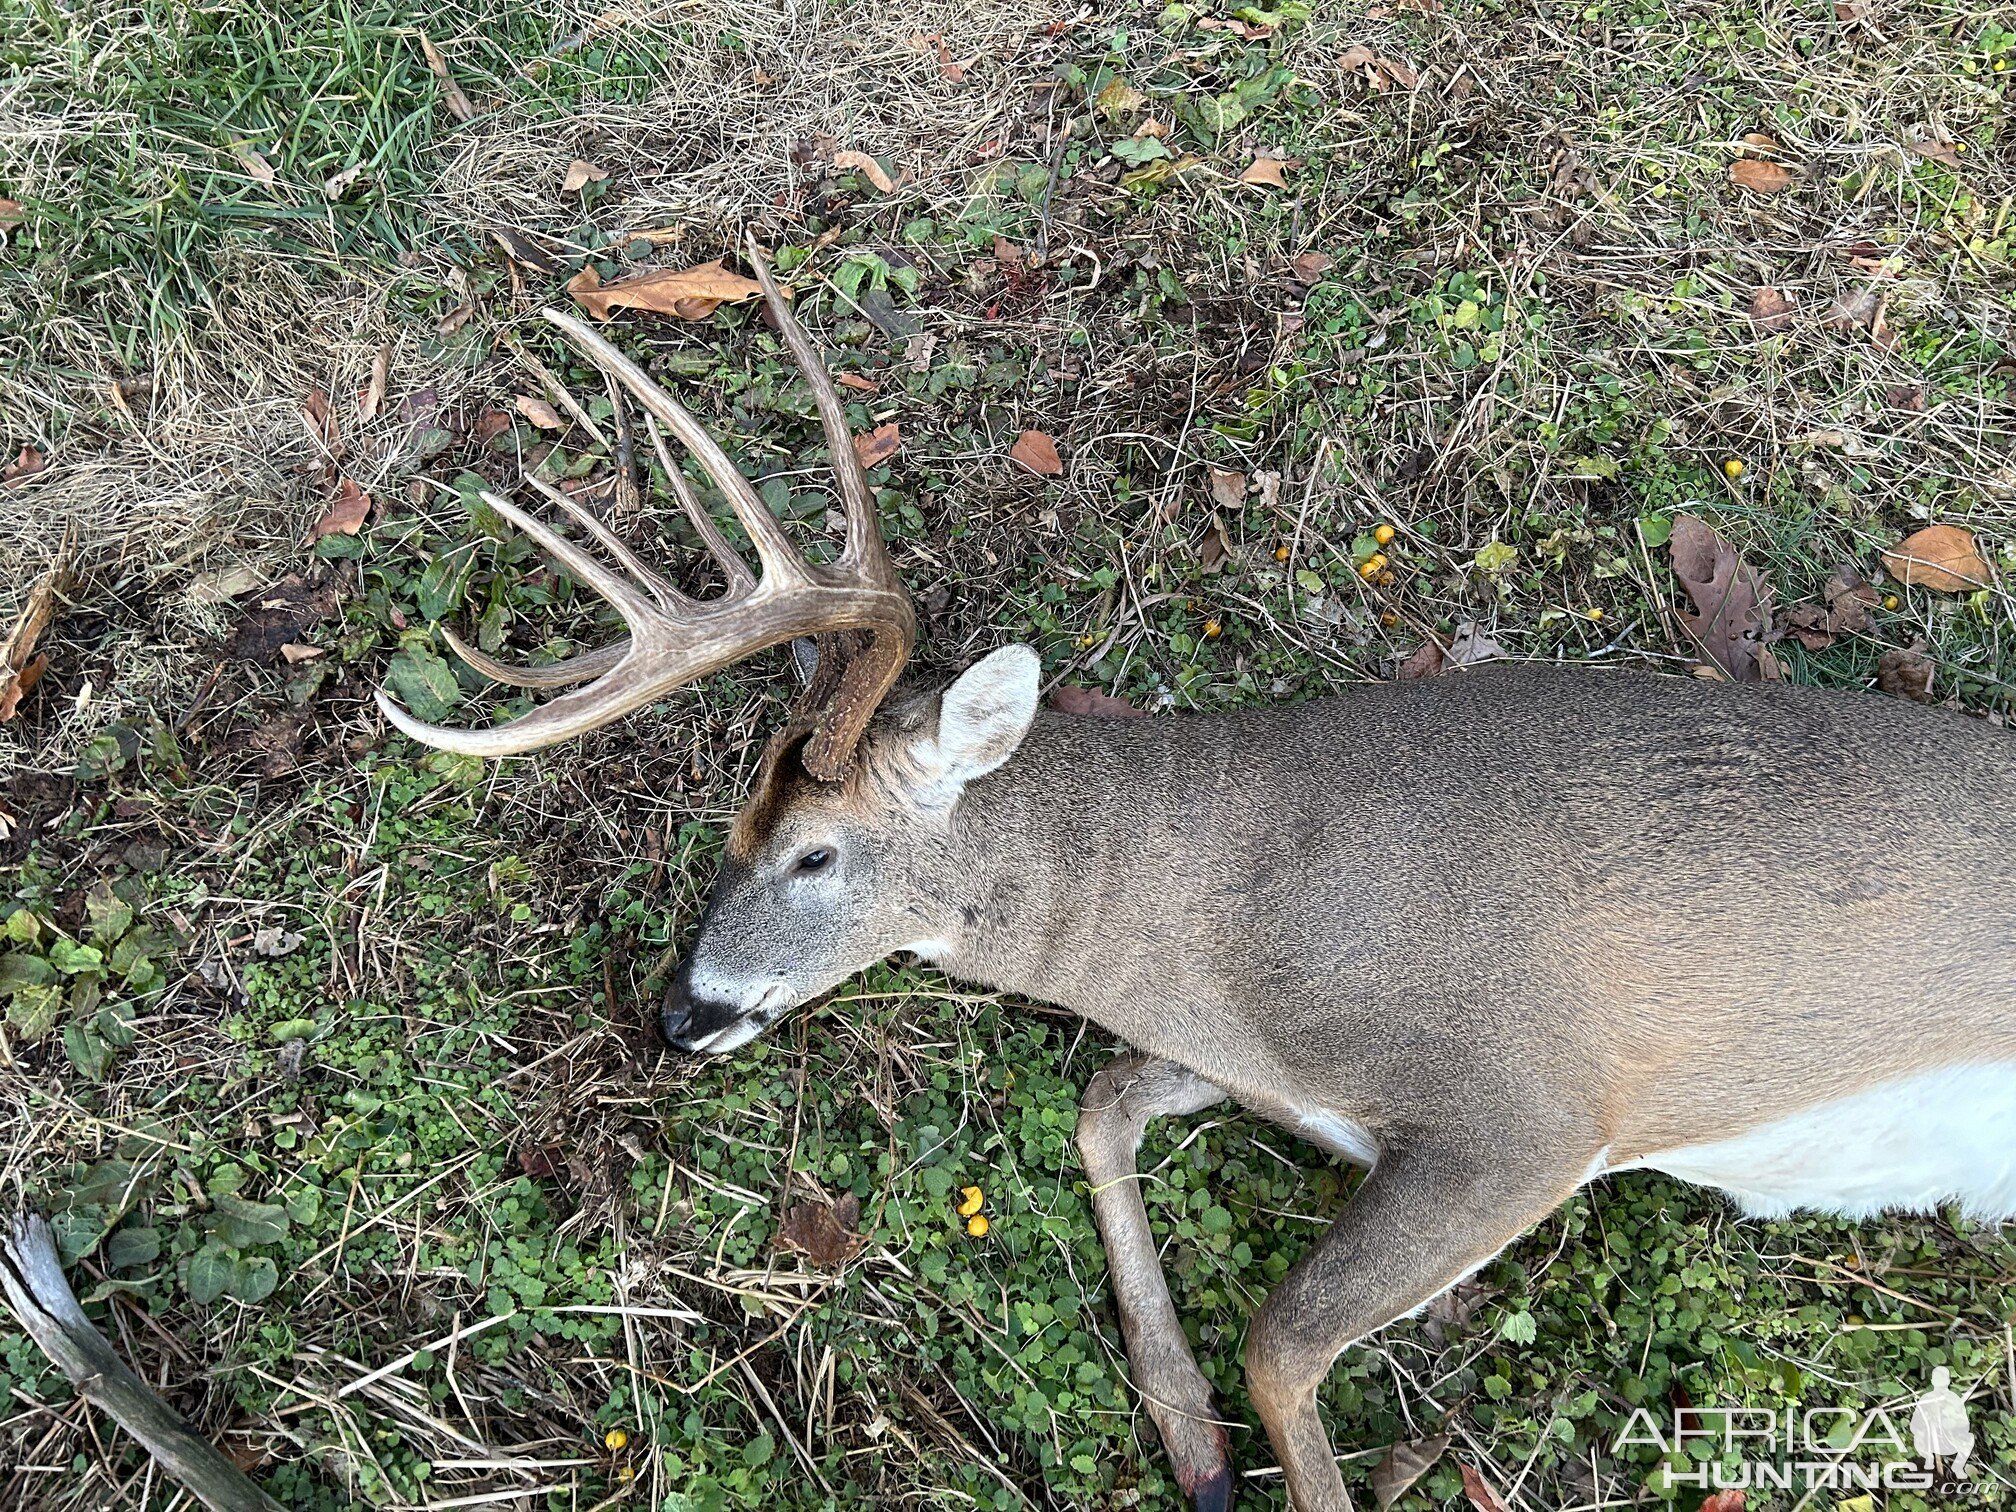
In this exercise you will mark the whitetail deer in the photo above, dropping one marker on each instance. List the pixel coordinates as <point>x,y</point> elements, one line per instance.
<point>1490,935</point>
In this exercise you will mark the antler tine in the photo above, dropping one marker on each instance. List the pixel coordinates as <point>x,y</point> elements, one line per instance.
<point>779,557</point>
<point>740,579</point>
<point>668,597</point>
<point>864,534</point>
<point>560,674</point>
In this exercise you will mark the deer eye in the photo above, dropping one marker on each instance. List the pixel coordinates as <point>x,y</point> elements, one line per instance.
<point>814,860</point>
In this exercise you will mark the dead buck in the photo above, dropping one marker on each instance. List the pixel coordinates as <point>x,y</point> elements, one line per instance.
<point>1491,935</point>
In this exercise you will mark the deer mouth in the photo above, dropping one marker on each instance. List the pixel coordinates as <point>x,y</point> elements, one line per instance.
<point>711,1026</point>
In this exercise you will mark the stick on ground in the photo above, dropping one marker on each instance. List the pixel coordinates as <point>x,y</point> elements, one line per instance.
<point>40,1297</point>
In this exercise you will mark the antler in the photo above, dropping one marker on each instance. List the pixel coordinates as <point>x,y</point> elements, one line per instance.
<point>856,606</point>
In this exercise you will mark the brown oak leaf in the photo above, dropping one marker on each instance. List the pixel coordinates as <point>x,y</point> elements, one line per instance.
<point>1732,602</point>
<point>1038,453</point>
<point>687,293</point>
<point>826,1233</point>
<point>1943,558</point>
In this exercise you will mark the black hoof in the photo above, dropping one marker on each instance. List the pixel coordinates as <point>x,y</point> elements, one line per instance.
<point>1214,1492</point>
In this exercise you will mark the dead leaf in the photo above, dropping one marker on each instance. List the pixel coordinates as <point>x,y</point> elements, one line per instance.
<point>1038,453</point>
<point>321,421</point>
<point>950,72</point>
<point>1771,309</point>
<point>1117,98</point>
<point>1216,550</point>
<point>1310,266</point>
<point>1732,602</point>
<point>542,1161</point>
<point>338,184</point>
<point>1760,177</point>
<point>30,462</point>
<point>373,398</point>
<point>455,319</point>
<point>856,381</point>
<point>1844,610</point>
<point>256,164</point>
<point>1403,1465</point>
<point>21,666</point>
<point>1424,661</point>
<point>489,425</point>
<point>827,1234</point>
<point>1470,646</point>
<point>1398,72</point>
<point>346,515</point>
<point>879,445</point>
<point>1760,140</point>
<point>539,412</point>
<point>580,174</point>
<point>1092,702</point>
<point>1266,172</point>
<point>689,293</point>
<point>1906,396</point>
<point>1478,1490</point>
<point>1724,1501</point>
<point>1936,151</point>
<point>294,652</point>
<point>1228,489</point>
<point>1943,558</point>
<point>867,167</point>
<point>1357,56</point>
<point>451,92</point>
<point>278,615</point>
<point>1850,12</point>
<point>1906,672</point>
<point>11,215</point>
<point>1867,311</point>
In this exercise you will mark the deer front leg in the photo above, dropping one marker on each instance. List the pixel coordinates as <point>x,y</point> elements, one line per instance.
<point>1111,1120</point>
<point>1424,1219</point>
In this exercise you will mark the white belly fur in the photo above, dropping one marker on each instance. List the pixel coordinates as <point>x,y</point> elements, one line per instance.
<point>1914,1144</point>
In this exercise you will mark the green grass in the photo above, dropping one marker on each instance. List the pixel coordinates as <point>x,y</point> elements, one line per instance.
<point>323,1056</point>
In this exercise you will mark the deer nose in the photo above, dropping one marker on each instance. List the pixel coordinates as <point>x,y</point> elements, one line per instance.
<point>675,1013</point>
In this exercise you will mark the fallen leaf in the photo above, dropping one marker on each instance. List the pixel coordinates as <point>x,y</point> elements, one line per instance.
<point>451,92</point>
<point>491,424</point>
<point>1479,1492</point>
<point>294,652</point>
<point>1094,702</point>
<point>1403,1465</point>
<point>273,940</point>
<point>338,184</point>
<point>1850,12</point>
<point>256,164</point>
<point>867,167</point>
<point>1357,56</point>
<point>539,412</point>
<point>542,1161</point>
<point>1724,1501</point>
<point>455,319</point>
<point>1470,646</point>
<point>1265,172</point>
<point>950,72</point>
<point>1759,139</point>
<point>1760,177</point>
<point>1771,309</point>
<point>1866,311</point>
<point>1117,98</point>
<point>1943,558</point>
<point>346,515</point>
<point>373,398</point>
<point>689,293</point>
<point>1906,672</point>
<point>825,1233</point>
<point>520,248</point>
<point>321,420</point>
<point>11,215</point>
<point>278,615</point>
<point>1310,266</point>
<point>879,445</point>
<point>1228,489</point>
<point>1216,550</point>
<point>1038,453</point>
<point>30,462</point>
<point>1906,396</point>
<point>1732,602</point>
<point>1844,610</point>
<point>856,381</point>
<point>1398,72</point>
<point>1936,151</point>
<point>580,174</point>
<point>1424,661</point>
<point>21,666</point>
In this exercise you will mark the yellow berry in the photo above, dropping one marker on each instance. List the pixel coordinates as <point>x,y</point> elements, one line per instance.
<point>1280,553</point>
<point>1385,579</point>
<point>1388,620</point>
<point>970,1199</point>
<point>1596,613</point>
<point>1891,601</point>
<point>1733,468</point>
<point>626,1474</point>
<point>978,1225</point>
<point>1379,560</point>
<point>1212,629</point>
<point>615,1438</point>
<point>1368,570</point>
<point>1382,534</point>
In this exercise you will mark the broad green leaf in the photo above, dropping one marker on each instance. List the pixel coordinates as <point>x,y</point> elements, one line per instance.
<point>33,1012</point>
<point>88,1052</point>
<point>424,683</point>
<point>70,958</point>
<point>131,1248</point>
<point>19,969</point>
<point>106,1184</point>
<point>23,928</point>
<point>292,1029</point>
<point>210,1272</point>
<point>305,1205</point>
<point>77,1232</point>
<point>111,916</point>
<point>253,1280</point>
<point>242,1223</point>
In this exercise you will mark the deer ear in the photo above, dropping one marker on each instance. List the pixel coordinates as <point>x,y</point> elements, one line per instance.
<point>982,718</point>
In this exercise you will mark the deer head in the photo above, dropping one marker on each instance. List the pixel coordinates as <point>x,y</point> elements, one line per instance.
<point>828,867</point>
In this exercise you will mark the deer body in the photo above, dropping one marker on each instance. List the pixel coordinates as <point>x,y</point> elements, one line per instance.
<point>1490,935</point>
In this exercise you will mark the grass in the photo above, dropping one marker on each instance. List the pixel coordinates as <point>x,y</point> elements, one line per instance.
<point>331,1056</point>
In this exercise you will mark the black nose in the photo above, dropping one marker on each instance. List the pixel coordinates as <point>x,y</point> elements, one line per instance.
<point>675,1014</point>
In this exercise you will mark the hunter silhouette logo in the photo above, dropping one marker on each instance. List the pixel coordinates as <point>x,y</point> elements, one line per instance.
<point>1939,1425</point>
